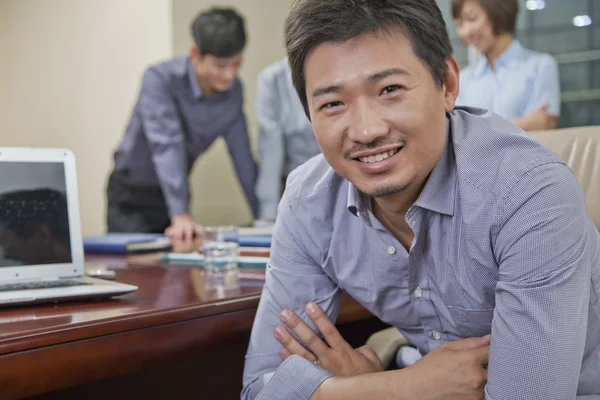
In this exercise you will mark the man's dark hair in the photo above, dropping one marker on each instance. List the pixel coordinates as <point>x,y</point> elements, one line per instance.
<point>219,32</point>
<point>314,22</point>
<point>23,212</point>
<point>501,13</point>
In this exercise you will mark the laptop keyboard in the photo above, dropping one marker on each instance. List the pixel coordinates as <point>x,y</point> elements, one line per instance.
<point>41,285</point>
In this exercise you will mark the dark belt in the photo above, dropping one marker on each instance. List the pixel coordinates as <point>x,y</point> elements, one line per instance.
<point>124,178</point>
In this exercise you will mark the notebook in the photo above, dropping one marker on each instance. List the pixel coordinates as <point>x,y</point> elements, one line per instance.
<point>122,243</point>
<point>41,248</point>
<point>199,258</point>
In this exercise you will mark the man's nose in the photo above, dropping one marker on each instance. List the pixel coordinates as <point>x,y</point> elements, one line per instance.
<point>367,124</point>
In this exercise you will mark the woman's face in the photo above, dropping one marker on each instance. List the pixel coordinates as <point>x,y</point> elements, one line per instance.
<point>475,28</point>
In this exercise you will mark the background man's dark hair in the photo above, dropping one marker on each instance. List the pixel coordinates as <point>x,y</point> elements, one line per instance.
<point>219,32</point>
<point>23,212</point>
<point>501,13</point>
<point>314,22</point>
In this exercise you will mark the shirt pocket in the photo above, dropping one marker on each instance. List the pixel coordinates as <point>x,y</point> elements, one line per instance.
<point>472,322</point>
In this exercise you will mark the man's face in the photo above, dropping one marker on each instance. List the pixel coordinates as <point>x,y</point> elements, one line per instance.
<point>377,112</point>
<point>216,74</point>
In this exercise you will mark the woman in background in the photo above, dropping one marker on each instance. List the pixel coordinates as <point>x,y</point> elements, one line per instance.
<point>518,84</point>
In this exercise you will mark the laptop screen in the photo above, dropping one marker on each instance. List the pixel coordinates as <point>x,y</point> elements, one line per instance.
<point>34,219</point>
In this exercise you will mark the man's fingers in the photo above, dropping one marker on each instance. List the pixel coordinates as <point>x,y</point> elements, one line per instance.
<point>285,353</point>
<point>304,333</point>
<point>482,354</point>
<point>188,232</point>
<point>291,344</point>
<point>326,327</point>
<point>470,343</point>
<point>370,355</point>
<point>198,230</point>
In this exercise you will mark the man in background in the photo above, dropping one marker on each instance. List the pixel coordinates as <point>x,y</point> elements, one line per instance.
<point>183,106</point>
<point>286,138</point>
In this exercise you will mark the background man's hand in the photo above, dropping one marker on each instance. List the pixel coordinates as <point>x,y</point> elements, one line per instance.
<point>183,227</point>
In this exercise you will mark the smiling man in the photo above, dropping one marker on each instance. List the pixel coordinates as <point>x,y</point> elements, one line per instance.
<point>448,223</point>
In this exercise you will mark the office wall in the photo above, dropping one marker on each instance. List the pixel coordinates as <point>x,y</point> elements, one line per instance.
<point>3,77</point>
<point>217,196</point>
<point>72,69</point>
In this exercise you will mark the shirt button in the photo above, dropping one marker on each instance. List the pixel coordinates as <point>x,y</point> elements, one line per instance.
<point>437,335</point>
<point>418,292</point>
<point>391,250</point>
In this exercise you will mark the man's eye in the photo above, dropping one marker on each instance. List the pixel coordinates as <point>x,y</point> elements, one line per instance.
<point>391,89</point>
<point>331,105</point>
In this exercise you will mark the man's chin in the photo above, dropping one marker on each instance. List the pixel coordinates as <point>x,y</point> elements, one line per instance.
<point>221,88</point>
<point>387,190</point>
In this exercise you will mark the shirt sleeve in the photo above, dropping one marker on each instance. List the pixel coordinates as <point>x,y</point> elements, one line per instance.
<point>546,87</point>
<point>545,250</point>
<point>294,277</point>
<point>166,140</point>
<point>238,144</point>
<point>270,146</point>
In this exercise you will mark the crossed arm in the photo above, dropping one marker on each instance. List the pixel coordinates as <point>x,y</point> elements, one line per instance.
<point>454,370</point>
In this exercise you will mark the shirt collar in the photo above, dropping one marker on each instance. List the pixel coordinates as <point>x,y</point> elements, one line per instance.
<point>513,52</point>
<point>196,91</point>
<point>359,203</point>
<point>437,195</point>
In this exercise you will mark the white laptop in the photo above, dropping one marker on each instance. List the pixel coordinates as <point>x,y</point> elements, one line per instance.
<point>41,248</point>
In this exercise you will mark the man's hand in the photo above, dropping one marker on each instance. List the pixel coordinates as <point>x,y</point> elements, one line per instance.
<point>186,245</point>
<point>183,227</point>
<point>538,120</point>
<point>453,371</point>
<point>456,370</point>
<point>336,355</point>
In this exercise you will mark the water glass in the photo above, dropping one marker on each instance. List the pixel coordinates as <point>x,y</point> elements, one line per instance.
<point>221,250</point>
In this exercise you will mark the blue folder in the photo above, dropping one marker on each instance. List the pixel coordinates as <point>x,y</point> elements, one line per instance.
<point>122,243</point>
<point>254,240</point>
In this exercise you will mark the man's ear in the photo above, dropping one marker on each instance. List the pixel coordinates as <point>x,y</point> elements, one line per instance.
<point>195,53</point>
<point>451,84</point>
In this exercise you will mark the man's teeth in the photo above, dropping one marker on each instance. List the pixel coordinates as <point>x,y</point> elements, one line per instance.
<point>378,157</point>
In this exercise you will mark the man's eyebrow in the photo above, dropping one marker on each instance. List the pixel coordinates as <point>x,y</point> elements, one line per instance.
<point>377,76</point>
<point>326,90</point>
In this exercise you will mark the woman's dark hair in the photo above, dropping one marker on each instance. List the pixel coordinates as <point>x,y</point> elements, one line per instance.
<point>501,13</point>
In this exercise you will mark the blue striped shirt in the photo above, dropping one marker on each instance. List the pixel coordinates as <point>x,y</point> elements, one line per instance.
<point>503,244</point>
<point>522,81</point>
<point>173,123</point>
<point>286,138</point>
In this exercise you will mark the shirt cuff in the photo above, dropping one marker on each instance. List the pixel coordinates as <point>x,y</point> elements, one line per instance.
<point>177,207</point>
<point>295,379</point>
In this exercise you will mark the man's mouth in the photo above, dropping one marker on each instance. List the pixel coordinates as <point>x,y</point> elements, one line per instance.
<point>379,157</point>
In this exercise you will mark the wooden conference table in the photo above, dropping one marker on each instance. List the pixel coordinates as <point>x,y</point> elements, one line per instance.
<point>169,339</point>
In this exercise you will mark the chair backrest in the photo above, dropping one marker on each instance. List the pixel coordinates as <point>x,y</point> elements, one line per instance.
<point>580,149</point>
